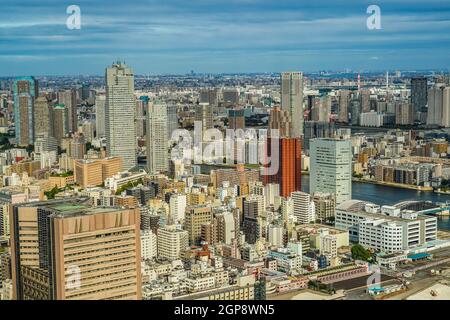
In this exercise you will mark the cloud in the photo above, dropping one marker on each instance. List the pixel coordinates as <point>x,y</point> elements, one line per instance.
<point>221,36</point>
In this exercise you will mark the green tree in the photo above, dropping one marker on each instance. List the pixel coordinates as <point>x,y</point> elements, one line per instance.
<point>52,193</point>
<point>360,253</point>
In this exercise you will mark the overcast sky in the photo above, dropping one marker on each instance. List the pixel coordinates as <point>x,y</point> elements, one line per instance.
<point>176,36</point>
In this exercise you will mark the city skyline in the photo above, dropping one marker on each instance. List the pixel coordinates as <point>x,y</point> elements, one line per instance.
<point>186,151</point>
<point>218,36</point>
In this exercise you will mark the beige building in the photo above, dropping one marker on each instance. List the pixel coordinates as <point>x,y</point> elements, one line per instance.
<point>195,217</point>
<point>315,231</point>
<point>172,242</point>
<point>91,173</point>
<point>68,250</point>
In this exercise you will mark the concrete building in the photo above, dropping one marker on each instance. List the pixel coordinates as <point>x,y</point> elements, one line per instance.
<point>119,114</point>
<point>292,100</point>
<point>287,261</point>
<point>91,173</point>
<point>172,119</point>
<point>157,144</point>
<point>325,206</point>
<point>195,217</point>
<point>203,113</point>
<point>280,120</point>
<point>236,119</point>
<point>303,207</point>
<point>331,168</point>
<point>100,101</point>
<point>25,92</point>
<point>177,205</point>
<point>344,98</point>
<point>172,242</point>
<point>380,229</point>
<point>439,105</point>
<point>42,117</point>
<point>419,91</point>
<point>149,242</point>
<point>404,114</point>
<point>70,252</point>
<point>68,98</point>
<point>288,158</point>
<point>60,122</point>
<point>371,119</point>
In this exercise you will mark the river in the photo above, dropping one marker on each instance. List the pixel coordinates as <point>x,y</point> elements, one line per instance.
<point>384,195</point>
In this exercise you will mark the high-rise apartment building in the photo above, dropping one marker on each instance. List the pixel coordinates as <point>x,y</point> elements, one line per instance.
<point>292,100</point>
<point>60,122</point>
<point>303,207</point>
<point>210,96</point>
<point>203,113</point>
<point>120,114</point>
<point>236,119</point>
<point>25,92</point>
<point>172,119</point>
<point>404,113</point>
<point>141,115</point>
<point>364,98</point>
<point>68,250</point>
<point>331,167</point>
<point>344,98</point>
<point>288,173</point>
<point>100,101</point>
<point>439,105</point>
<point>69,99</point>
<point>280,120</point>
<point>321,109</point>
<point>43,123</point>
<point>419,96</point>
<point>157,144</point>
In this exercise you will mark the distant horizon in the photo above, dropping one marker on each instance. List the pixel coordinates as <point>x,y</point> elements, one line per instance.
<point>437,71</point>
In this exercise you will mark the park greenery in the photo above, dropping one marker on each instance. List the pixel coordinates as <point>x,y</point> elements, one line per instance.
<point>53,192</point>
<point>62,175</point>
<point>129,185</point>
<point>360,253</point>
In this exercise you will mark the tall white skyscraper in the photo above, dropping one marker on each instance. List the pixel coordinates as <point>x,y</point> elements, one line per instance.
<point>331,167</point>
<point>100,101</point>
<point>292,100</point>
<point>119,114</point>
<point>157,145</point>
<point>303,207</point>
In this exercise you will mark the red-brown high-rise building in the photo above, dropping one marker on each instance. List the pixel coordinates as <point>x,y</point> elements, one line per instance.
<point>289,173</point>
